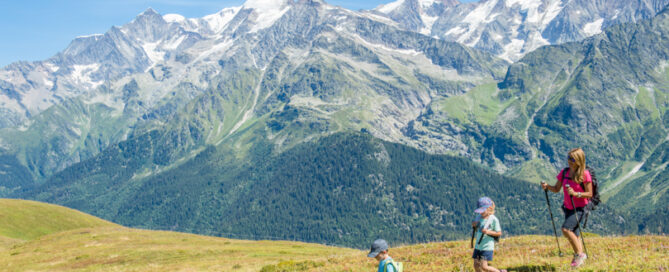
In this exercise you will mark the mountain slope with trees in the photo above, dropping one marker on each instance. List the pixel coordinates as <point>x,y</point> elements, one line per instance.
<point>342,189</point>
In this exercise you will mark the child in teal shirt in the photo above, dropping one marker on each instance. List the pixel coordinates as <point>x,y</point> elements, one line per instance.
<point>488,229</point>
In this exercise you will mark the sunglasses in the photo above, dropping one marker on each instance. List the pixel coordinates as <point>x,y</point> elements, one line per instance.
<point>571,159</point>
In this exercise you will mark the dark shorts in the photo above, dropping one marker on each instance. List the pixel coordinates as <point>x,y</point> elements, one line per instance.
<point>570,220</point>
<point>484,255</point>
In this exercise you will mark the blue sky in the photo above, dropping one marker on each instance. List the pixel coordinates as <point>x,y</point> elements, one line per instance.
<point>38,29</point>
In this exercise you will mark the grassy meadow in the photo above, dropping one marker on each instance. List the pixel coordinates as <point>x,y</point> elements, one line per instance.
<point>525,253</point>
<point>42,237</point>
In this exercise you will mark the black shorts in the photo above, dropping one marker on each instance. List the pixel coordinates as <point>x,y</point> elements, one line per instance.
<point>570,221</point>
<point>483,255</point>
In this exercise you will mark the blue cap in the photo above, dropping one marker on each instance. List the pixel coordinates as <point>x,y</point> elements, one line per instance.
<point>377,246</point>
<point>483,204</point>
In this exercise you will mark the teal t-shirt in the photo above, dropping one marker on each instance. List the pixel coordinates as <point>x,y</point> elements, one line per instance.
<point>383,263</point>
<point>488,242</point>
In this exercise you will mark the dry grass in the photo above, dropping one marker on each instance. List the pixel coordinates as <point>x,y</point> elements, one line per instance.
<point>526,253</point>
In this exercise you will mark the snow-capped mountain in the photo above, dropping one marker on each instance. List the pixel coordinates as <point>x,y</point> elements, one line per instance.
<point>106,88</point>
<point>512,28</point>
<point>28,88</point>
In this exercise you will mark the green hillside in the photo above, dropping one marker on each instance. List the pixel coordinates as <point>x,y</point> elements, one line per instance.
<point>55,238</point>
<point>28,220</point>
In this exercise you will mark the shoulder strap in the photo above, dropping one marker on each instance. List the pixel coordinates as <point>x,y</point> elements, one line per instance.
<point>385,266</point>
<point>569,178</point>
<point>487,224</point>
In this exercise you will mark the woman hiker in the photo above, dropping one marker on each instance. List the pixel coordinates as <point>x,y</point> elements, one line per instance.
<point>576,183</point>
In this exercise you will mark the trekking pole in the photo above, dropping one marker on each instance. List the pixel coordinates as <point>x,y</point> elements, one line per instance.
<point>578,220</point>
<point>553,221</point>
<point>471,243</point>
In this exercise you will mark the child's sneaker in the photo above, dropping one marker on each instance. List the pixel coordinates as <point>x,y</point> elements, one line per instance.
<point>578,260</point>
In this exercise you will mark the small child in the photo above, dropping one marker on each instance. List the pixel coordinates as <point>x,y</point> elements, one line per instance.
<point>488,229</point>
<point>379,251</point>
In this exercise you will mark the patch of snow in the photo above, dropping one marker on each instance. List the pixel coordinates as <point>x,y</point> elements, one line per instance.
<point>378,18</point>
<point>524,4</point>
<point>263,6</point>
<point>25,126</point>
<point>219,21</point>
<point>47,83</point>
<point>154,55</point>
<point>593,28</point>
<point>267,17</point>
<point>220,47</point>
<point>173,44</point>
<point>174,18</point>
<point>456,31</point>
<point>534,41</point>
<point>481,14</point>
<point>52,67</point>
<point>81,74</point>
<point>76,130</point>
<point>195,22</point>
<point>426,4</point>
<point>532,9</point>
<point>554,8</point>
<point>428,21</point>
<point>388,8</point>
<point>89,36</point>
<point>615,16</point>
<point>383,47</point>
<point>513,50</point>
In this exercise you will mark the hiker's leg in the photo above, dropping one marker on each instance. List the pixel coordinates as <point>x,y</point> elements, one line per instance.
<point>573,240</point>
<point>487,268</point>
<point>477,266</point>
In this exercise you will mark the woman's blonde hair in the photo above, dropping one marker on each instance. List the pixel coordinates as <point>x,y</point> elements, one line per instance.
<point>578,156</point>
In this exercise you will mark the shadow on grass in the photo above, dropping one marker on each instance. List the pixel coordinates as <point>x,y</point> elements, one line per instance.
<point>532,268</point>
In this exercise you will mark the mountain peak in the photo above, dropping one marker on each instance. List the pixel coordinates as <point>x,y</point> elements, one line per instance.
<point>149,11</point>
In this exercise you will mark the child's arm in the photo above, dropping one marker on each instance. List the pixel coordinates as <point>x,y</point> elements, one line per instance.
<point>495,229</point>
<point>491,233</point>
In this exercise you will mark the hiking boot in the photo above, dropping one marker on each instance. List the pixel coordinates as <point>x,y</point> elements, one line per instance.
<point>578,260</point>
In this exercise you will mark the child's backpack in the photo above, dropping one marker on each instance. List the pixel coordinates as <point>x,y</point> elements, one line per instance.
<point>398,267</point>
